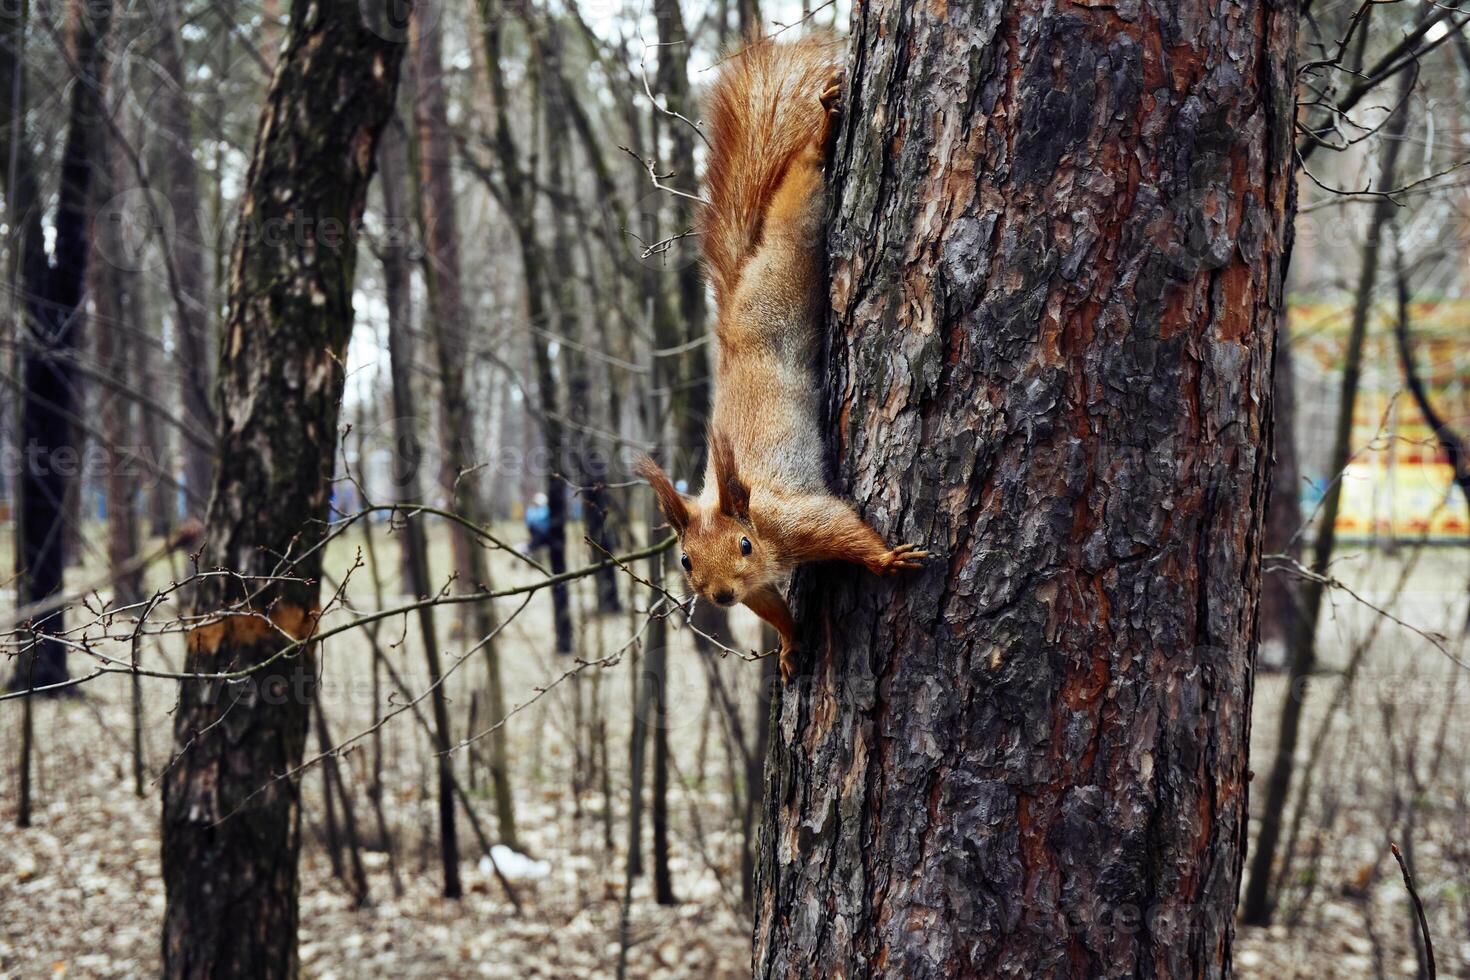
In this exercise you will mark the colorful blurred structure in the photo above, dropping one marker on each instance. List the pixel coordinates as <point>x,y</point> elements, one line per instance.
<point>1399,485</point>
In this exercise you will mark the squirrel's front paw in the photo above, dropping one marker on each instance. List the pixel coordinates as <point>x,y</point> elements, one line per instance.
<point>788,654</point>
<point>831,99</point>
<point>904,558</point>
<point>831,96</point>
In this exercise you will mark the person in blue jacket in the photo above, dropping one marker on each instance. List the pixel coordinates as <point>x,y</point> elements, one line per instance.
<point>538,523</point>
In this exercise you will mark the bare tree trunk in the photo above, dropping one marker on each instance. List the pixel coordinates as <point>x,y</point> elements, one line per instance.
<point>1455,446</point>
<point>1057,257</point>
<point>335,784</point>
<point>446,325</point>
<point>161,494</point>
<point>231,821</point>
<point>375,784</point>
<point>516,193</point>
<point>1259,897</point>
<point>749,12</point>
<point>690,406</point>
<point>451,346</point>
<point>647,675</point>
<point>52,330</point>
<point>111,287</point>
<point>407,464</point>
<point>755,763</point>
<point>193,354</point>
<point>589,466</point>
<point>647,672</point>
<point>1283,514</point>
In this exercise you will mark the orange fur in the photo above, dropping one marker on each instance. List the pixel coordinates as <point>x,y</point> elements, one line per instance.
<point>765,507</point>
<point>764,110</point>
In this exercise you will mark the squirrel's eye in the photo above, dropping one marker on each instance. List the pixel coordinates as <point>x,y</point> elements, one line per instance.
<point>745,546</point>
<point>684,560</point>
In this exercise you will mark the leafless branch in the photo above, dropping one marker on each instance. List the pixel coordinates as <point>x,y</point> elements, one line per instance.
<point>1418,910</point>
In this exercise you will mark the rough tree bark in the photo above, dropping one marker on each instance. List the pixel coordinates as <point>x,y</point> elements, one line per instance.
<point>1058,250</point>
<point>231,824</point>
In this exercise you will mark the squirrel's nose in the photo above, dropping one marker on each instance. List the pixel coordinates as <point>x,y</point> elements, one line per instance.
<point>725,597</point>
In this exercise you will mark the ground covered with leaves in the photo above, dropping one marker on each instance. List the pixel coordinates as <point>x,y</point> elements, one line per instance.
<point>81,894</point>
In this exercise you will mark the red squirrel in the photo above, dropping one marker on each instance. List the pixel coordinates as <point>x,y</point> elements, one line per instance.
<point>765,506</point>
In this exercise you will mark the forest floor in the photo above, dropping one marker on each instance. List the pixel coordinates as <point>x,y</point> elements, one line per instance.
<point>81,896</point>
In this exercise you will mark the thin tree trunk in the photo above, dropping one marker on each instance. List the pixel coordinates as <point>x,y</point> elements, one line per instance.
<point>658,719</point>
<point>192,355</point>
<point>455,785</point>
<point>406,472</point>
<point>755,764</point>
<point>375,786</point>
<point>1455,446</point>
<point>690,403</point>
<point>331,837</point>
<point>1283,513</point>
<point>590,467</point>
<point>161,494</point>
<point>647,686</point>
<point>642,691</point>
<point>516,192</point>
<point>690,406</point>
<point>231,821</point>
<point>451,346</point>
<point>662,419</point>
<point>337,785</point>
<point>749,17</point>
<point>1057,256</point>
<point>1260,897</point>
<point>111,288</point>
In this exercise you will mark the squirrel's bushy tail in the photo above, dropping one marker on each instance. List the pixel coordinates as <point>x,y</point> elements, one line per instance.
<point>765,108</point>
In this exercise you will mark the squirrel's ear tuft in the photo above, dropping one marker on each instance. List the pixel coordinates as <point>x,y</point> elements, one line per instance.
<point>671,502</point>
<point>734,494</point>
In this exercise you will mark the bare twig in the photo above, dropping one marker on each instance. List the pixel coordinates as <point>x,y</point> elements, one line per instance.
<point>658,181</point>
<point>1294,567</point>
<point>1418,909</point>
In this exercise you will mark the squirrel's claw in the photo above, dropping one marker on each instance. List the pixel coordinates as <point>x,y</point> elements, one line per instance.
<point>831,96</point>
<point>831,99</point>
<point>788,662</point>
<point>904,558</point>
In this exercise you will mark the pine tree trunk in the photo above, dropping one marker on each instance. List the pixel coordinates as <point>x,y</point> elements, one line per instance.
<point>231,827</point>
<point>1058,248</point>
